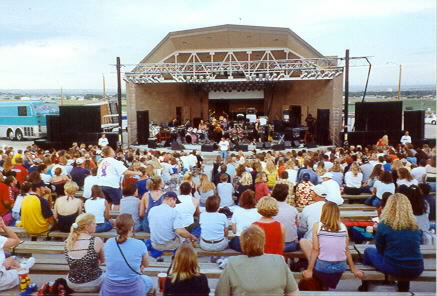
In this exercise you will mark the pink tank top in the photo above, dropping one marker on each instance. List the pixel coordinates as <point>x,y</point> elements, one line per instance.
<point>332,245</point>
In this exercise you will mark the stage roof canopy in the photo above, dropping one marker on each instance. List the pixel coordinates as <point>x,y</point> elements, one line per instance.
<point>233,53</point>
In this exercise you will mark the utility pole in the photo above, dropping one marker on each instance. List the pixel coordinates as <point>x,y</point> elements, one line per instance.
<point>120,125</point>
<point>346,97</point>
<point>399,82</point>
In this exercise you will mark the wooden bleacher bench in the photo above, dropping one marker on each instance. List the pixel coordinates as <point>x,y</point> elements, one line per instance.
<point>211,270</point>
<point>349,197</point>
<point>50,247</point>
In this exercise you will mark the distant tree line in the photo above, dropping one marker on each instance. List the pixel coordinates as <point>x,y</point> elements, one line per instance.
<point>394,93</point>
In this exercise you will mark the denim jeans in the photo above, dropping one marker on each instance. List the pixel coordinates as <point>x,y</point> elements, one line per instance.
<point>145,224</point>
<point>374,258</point>
<point>224,154</point>
<point>291,246</point>
<point>102,227</point>
<point>234,244</point>
<point>373,201</point>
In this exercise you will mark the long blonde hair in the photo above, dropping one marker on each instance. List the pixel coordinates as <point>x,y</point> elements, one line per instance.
<point>270,167</point>
<point>398,213</point>
<point>330,217</point>
<point>355,169</point>
<point>205,184</point>
<point>246,179</point>
<point>82,221</point>
<point>185,264</point>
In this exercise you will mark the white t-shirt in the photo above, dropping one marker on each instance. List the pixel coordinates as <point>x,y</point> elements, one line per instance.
<point>243,218</point>
<point>292,175</point>
<point>400,182</point>
<point>186,209</point>
<point>405,139</point>
<point>89,182</point>
<point>97,208</point>
<point>2,252</point>
<point>103,142</point>
<point>213,225</point>
<point>110,172</point>
<point>17,204</point>
<point>224,190</point>
<point>333,192</point>
<point>381,188</point>
<point>309,216</point>
<point>418,173</point>
<point>223,145</point>
<point>353,181</point>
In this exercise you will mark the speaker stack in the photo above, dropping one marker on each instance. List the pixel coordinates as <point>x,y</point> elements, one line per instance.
<point>322,125</point>
<point>142,127</point>
<point>414,123</point>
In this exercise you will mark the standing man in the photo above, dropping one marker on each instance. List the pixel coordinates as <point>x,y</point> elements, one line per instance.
<point>224,147</point>
<point>406,138</point>
<point>103,141</point>
<point>110,172</point>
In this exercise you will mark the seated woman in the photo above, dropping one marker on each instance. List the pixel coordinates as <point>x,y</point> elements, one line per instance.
<point>256,273</point>
<point>125,259</point>
<point>67,207</point>
<point>84,255</point>
<point>267,207</point>
<point>214,226</point>
<point>405,178</point>
<point>243,217</point>
<point>245,183</point>
<point>205,189</point>
<point>9,267</point>
<point>184,277</point>
<point>59,180</point>
<point>261,188</point>
<point>150,199</point>
<point>421,212</point>
<point>353,180</point>
<point>383,184</point>
<point>330,251</point>
<point>99,207</point>
<point>397,242</point>
<point>130,204</point>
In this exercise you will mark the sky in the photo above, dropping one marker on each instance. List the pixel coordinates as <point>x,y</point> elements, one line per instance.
<point>50,44</point>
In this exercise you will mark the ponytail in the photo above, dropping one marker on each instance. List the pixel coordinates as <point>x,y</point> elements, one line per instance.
<point>82,221</point>
<point>123,224</point>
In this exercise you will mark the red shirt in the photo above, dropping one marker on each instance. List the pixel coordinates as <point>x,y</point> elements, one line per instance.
<point>261,190</point>
<point>21,172</point>
<point>5,197</point>
<point>274,241</point>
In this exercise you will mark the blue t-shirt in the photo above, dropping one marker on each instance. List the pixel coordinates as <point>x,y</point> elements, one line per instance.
<point>400,248</point>
<point>116,268</point>
<point>142,186</point>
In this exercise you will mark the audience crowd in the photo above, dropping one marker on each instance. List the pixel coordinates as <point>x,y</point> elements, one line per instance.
<point>274,203</point>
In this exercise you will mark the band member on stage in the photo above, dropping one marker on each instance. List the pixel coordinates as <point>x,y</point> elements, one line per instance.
<point>173,123</point>
<point>203,126</point>
<point>311,123</point>
<point>257,132</point>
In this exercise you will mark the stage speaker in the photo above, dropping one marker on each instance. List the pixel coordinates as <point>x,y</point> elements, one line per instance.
<point>310,145</point>
<point>322,125</point>
<point>54,131</point>
<point>196,121</point>
<point>243,147</point>
<point>377,116</point>
<point>259,145</point>
<point>142,127</point>
<point>267,145</point>
<point>287,144</point>
<point>177,147</point>
<point>151,144</point>
<point>295,112</point>
<point>207,148</point>
<point>414,123</point>
<point>80,119</point>
<point>112,139</point>
<point>296,143</point>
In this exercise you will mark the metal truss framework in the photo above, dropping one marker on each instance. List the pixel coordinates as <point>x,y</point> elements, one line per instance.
<point>235,66</point>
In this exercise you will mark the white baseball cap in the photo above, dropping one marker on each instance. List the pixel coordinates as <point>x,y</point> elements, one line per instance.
<point>320,190</point>
<point>327,175</point>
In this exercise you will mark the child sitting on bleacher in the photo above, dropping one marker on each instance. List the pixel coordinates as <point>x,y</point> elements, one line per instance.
<point>130,204</point>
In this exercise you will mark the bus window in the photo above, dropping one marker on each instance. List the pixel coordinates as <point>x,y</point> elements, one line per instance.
<point>22,110</point>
